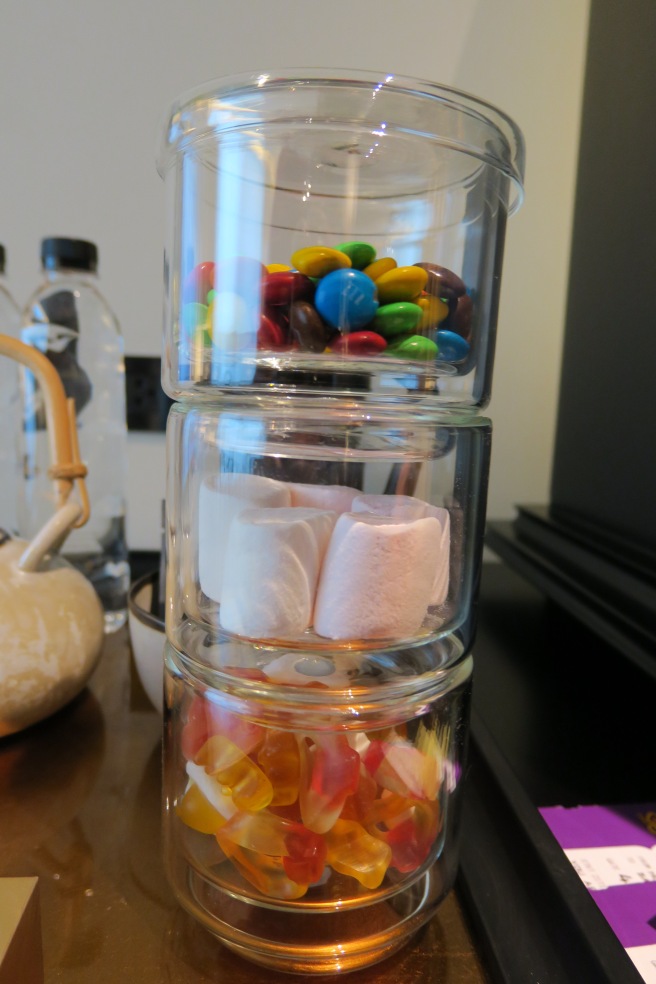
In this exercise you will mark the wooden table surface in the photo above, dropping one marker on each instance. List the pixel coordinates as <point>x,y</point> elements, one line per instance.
<point>80,808</point>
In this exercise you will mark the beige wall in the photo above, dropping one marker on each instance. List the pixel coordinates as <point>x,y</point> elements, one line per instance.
<point>84,86</point>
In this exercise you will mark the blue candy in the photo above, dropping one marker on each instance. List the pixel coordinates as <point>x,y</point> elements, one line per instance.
<point>451,347</point>
<point>346,299</point>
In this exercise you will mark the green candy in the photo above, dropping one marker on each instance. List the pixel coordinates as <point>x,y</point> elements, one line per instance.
<point>193,316</point>
<point>413,347</point>
<point>360,254</point>
<point>401,318</point>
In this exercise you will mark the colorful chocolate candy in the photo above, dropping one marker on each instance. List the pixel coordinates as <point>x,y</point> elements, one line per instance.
<point>288,809</point>
<point>341,300</point>
<point>346,299</point>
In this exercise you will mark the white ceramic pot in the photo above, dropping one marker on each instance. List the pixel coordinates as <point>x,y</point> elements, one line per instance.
<point>51,626</point>
<point>147,638</point>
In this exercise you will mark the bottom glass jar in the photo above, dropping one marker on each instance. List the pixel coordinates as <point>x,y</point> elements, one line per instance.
<point>311,800</point>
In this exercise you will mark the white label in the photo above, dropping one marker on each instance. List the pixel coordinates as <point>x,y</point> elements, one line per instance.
<point>602,867</point>
<point>644,958</point>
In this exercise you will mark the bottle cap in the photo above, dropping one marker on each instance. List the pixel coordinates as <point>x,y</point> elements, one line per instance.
<point>68,254</point>
<point>2,258</point>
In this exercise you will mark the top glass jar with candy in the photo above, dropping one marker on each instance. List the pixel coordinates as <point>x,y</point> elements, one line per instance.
<point>335,232</point>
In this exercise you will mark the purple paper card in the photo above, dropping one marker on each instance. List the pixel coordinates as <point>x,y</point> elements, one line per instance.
<point>613,849</point>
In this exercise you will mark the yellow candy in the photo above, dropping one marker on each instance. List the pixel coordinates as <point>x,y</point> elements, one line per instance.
<point>379,267</point>
<point>317,261</point>
<point>352,851</point>
<point>401,284</point>
<point>435,310</point>
<point>277,268</point>
<point>218,753</point>
<point>265,872</point>
<point>242,778</point>
<point>198,813</point>
<point>250,788</point>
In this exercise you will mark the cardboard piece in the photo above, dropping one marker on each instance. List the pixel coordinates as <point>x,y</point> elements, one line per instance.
<point>21,950</point>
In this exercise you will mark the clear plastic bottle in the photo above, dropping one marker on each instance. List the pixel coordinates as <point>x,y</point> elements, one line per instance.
<point>9,325</point>
<point>69,320</point>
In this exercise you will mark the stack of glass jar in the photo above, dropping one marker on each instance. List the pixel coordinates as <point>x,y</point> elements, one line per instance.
<point>332,281</point>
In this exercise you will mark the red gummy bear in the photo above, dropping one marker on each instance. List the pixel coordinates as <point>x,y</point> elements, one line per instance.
<point>306,856</point>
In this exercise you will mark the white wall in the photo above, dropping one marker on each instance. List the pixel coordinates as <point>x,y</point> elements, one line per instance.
<point>85,86</point>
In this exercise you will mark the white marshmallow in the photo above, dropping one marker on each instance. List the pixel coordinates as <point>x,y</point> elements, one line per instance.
<point>337,498</point>
<point>377,577</point>
<point>408,507</point>
<point>441,582</point>
<point>221,499</point>
<point>272,563</point>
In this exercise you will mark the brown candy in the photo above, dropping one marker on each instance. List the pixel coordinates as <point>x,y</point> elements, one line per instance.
<point>307,328</point>
<point>462,317</point>
<point>442,282</point>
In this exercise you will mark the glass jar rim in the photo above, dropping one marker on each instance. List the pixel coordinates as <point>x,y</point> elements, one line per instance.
<point>348,410</point>
<point>352,706</point>
<point>462,122</point>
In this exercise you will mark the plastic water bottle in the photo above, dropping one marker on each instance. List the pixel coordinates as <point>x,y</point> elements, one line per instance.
<point>69,320</point>
<point>9,325</point>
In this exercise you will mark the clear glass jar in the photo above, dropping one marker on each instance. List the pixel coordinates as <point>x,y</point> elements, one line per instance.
<point>324,226</point>
<point>311,802</point>
<point>343,527</point>
<point>68,319</point>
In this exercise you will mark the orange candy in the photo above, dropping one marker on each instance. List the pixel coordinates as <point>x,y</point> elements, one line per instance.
<point>279,759</point>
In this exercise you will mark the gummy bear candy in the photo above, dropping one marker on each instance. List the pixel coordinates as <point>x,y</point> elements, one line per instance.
<point>279,759</point>
<point>266,873</point>
<point>305,859</point>
<point>197,812</point>
<point>211,790</point>
<point>352,851</point>
<point>329,773</point>
<point>387,808</point>
<point>359,804</point>
<point>205,718</point>
<point>225,761</point>
<point>399,766</point>
<point>303,853</point>
<point>412,837</point>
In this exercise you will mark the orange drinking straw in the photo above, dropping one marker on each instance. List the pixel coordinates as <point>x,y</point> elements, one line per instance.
<point>66,468</point>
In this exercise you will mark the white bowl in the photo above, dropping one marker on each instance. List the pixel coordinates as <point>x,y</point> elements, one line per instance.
<point>147,637</point>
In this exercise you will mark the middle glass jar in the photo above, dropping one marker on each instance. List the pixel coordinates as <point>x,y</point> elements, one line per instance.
<point>324,526</point>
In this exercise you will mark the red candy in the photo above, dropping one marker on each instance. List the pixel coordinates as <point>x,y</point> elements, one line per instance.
<point>329,773</point>
<point>199,283</point>
<point>270,335</point>
<point>412,838</point>
<point>359,343</point>
<point>306,856</point>
<point>240,275</point>
<point>287,286</point>
<point>206,719</point>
